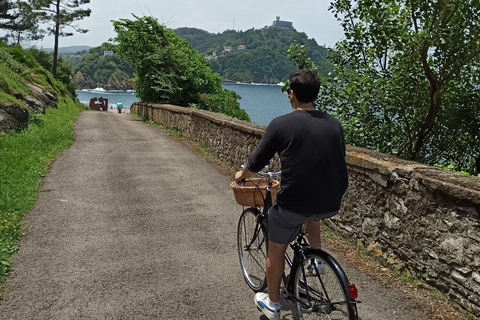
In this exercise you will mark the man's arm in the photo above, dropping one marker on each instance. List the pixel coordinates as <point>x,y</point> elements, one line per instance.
<point>260,157</point>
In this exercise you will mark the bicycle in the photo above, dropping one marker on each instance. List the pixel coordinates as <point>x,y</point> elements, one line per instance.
<point>319,292</point>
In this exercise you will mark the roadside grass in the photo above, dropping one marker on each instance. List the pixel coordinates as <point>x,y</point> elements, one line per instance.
<point>24,159</point>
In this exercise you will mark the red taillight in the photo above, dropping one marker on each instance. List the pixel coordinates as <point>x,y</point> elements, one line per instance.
<point>352,290</point>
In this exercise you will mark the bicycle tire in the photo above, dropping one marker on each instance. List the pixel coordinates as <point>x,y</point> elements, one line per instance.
<point>330,301</point>
<point>252,244</point>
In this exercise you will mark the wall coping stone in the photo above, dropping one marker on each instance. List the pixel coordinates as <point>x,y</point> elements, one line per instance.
<point>247,127</point>
<point>453,184</point>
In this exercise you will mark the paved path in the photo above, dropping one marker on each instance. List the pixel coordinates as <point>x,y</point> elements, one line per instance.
<point>131,224</point>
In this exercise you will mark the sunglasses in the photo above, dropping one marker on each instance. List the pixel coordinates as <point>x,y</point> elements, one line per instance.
<point>289,91</point>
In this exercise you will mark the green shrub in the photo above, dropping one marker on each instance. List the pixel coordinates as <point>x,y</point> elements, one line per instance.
<point>224,103</point>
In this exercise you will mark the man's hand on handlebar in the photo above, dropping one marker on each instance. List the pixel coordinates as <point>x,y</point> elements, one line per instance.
<point>242,174</point>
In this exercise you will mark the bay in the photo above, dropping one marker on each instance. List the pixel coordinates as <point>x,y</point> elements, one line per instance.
<point>261,102</point>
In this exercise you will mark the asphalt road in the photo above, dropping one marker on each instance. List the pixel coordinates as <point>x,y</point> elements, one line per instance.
<point>132,224</point>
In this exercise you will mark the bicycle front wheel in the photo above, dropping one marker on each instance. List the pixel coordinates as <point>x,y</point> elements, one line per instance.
<point>252,245</point>
<point>321,289</point>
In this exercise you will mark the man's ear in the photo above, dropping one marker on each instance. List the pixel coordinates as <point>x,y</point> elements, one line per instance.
<point>292,96</point>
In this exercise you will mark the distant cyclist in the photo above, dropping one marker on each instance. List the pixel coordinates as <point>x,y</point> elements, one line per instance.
<point>119,106</point>
<point>314,177</point>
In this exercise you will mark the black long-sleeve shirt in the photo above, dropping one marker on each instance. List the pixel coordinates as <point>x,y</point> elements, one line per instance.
<point>311,147</point>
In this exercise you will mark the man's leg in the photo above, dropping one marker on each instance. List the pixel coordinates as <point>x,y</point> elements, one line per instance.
<point>275,268</point>
<point>312,228</point>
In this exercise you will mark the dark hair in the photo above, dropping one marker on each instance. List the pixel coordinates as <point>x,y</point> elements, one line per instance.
<point>305,84</point>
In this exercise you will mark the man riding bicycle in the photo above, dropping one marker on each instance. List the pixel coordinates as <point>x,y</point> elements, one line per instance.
<point>311,147</point>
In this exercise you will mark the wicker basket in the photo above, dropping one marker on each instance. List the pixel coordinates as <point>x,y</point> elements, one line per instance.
<point>251,194</point>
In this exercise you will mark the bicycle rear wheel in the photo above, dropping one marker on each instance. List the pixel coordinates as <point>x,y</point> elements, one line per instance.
<point>252,245</point>
<point>323,294</point>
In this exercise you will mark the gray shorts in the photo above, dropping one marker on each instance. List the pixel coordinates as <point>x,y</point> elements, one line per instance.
<point>284,225</point>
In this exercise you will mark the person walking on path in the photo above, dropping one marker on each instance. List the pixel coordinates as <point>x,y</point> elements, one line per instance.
<point>119,106</point>
<point>314,178</point>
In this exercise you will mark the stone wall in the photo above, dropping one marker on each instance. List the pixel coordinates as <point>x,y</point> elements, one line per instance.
<point>413,215</point>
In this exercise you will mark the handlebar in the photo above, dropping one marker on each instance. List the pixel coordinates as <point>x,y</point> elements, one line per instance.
<point>268,174</point>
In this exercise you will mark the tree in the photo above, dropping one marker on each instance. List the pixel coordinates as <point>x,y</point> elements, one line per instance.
<point>407,78</point>
<point>25,26</point>
<point>61,13</point>
<point>168,69</point>
<point>7,16</point>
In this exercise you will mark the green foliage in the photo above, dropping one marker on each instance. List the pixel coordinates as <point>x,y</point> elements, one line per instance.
<point>11,72</point>
<point>262,61</point>
<point>168,68</point>
<point>45,59</point>
<point>406,78</point>
<point>64,69</point>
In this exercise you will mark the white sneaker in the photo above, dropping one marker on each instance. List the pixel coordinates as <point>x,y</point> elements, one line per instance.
<point>261,301</point>
<point>320,267</point>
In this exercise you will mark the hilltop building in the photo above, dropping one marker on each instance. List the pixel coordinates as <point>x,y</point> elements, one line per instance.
<point>282,24</point>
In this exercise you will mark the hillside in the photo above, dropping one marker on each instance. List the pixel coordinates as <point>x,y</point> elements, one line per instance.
<point>26,88</point>
<point>254,55</point>
<point>97,69</point>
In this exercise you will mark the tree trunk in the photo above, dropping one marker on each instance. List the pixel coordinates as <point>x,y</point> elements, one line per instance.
<point>434,105</point>
<point>429,121</point>
<point>477,164</point>
<point>57,34</point>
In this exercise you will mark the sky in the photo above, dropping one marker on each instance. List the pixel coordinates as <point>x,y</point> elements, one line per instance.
<point>215,16</point>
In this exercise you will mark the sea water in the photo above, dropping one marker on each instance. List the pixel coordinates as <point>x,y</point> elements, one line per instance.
<point>261,102</point>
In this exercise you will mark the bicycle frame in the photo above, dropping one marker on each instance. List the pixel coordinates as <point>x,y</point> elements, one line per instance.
<point>299,247</point>
<point>314,298</point>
